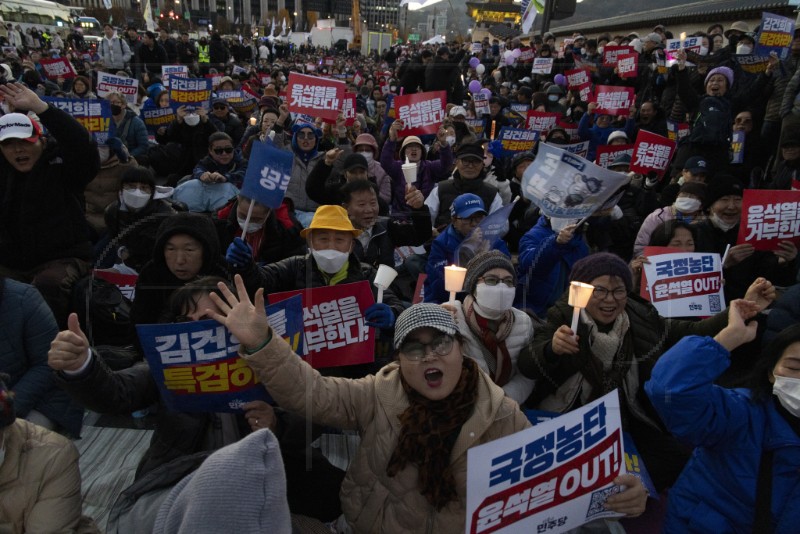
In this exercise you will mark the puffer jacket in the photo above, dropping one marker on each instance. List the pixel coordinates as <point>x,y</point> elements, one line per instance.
<point>296,191</point>
<point>371,500</point>
<point>103,190</point>
<point>717,490</point>
<point>132,132</point>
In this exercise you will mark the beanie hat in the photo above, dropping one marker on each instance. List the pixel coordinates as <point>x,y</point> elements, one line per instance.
<point>721,186</point>
<point>725,71</point>
<point>601,264</point>
<point>697,189</point>
<point>410,140</point>
<point>484,262</point>
<point>7,412</point>
<point>138,174</point>
<point>239,488</point>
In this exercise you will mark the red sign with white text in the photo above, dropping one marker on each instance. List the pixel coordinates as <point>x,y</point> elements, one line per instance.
<point>311,95</point>
<point>349,109</point>
<point>769,217</point>
<point>611,54</point>
<point>577,77</point>
<point>606,154</point>
<point>541,121</point>
<point>613,100</point>
<point>57,68</point>
<point>421,113</point>
<point>628,65</point>
<point>651,153</point>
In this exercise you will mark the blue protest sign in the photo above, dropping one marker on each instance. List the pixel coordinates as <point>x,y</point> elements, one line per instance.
<point>483,237</point>
<point>775,35</point>
<point>516,140</point>
<point>194,92</point>
<point>268,173</point>
<point>737,147</point>
<point>156,118</point>
<point>94,115</point>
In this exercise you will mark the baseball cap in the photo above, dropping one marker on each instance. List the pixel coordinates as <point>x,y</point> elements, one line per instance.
<point>19,126</point>
<point>424,315</point>
<point>617,134</point>
<point>458,110</point>
<point>470,150</point>
<point>354,161</point>
<point>466,205</point>
<point>696,165</point>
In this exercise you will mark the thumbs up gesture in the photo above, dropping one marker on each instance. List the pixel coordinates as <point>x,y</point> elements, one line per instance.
<point>70,349</point>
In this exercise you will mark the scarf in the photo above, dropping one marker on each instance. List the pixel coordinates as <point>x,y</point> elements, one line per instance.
<point>493,334</point>
<point>605,369</point>
<point>428,432</point>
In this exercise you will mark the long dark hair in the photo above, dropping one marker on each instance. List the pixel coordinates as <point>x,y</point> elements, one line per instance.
<point>770,355</point>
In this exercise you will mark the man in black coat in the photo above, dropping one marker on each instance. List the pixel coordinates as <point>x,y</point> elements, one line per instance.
<point>443,74</point>
<point>152,55</point>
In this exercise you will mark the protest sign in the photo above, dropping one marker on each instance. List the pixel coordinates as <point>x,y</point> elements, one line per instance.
<point>576,78</point>
<point>585,92</point>
<point>611,54</point>
<point>516,140</point>
<point>334,330</point>
<point>541,121</point>
<point>683,284</point>
<point>605,155</point>
<point>349,109</point>
<point>677,130</point>
<point>264,79</point>
<point>542,65</point>
<point>483,237</point>
<point>169,72</point>
<point>127,87</point>
<point>584,64</point>
<point>477,126</point>
<point>567,186</point>
<point>520,108</point>
<point>775,35</point>
<point>571,128</point>
<point>628,65</point>
<point>651,153</point>
<point>552,477</point>
<point>751,63</point>
<point>318,97</point>
<point>197,367</point>
<point>125,282</point>
<point>57,68</point>
<point>268,174</point>
<point>613,100</point>
<point>769,217</point>
<point>526,55</point>
<point>241,101</point>
<point>579,149</point>
<point>94,115</point>
<point>421,113</point>
<point>237,70</point>
<point>156,118</point>
<point>9,50</point>
<point>476,48</point>
<point>737,146</point>
<point>481,101</point>
<point>690,44</point>
<point>194,92</point>
<point>215,78</point>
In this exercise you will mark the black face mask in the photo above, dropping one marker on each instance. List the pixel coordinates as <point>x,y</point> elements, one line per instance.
<point>116,109</point>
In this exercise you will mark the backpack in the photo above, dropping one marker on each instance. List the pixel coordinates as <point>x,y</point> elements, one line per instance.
<point>109,319</point>
<point>713,123</point>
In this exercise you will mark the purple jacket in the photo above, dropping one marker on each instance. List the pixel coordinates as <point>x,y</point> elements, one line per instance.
<point>429,174</point>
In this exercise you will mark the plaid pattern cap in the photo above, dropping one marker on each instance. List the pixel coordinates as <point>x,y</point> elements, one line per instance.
<point>420,316</point>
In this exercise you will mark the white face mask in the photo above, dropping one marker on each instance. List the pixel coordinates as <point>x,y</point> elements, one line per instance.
<point>743,49</point>
<point>494,301</point>
<point>552,98</point>
<point>788,392</point>
<point>450,139</point>
<point>192,119</point>
<point>687,204</point>
<point>135,198</point>
<point>329,261</point>
<point>703,51</point>
<point>719,223</point>
<point>367,156</point>
<point>251,227</point>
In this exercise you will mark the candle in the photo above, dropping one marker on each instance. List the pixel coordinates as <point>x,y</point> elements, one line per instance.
<point>383,279</point>
<point>454,280</point>
<point>579,295</point>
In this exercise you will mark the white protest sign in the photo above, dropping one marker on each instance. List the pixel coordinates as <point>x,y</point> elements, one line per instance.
<point>109,83</point>
<point>684,284</point>
<point>542,65</point>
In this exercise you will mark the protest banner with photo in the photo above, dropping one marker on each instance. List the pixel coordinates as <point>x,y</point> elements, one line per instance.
<point>190,92</point>
<point>628,65</point>
<point>541,121</point>
<point>651,153</point>
<point>242,102</point>
<point>516,140</point>
<point>125,282</point>
<point>421,113</point>
<point>169,72</point>
<point>196,365</point>
<point>542,65</point>
<point>156,118</point>
<point>349,109</point>
<point>769,217</point>
<point>613,100</point>
<point>737,146</point>
<point>269,171</point>
<point>334,330</point>
<point>606,154</point>
<point>577,78</point>
<point>94,115</point>
<point>481,102</point>
<point>108,83</point>
<point>552,477</point>
<point>611,54</point>
<point>751,63</point>
<point>315,96</point>
<point>775,34</point>
<point>477,126</point>
<point>483,237</point>
<point>677,130</point>
<point>57,68</point>
<point>579,149</point>
<point>690,44</point>
<point>683,284</point>
<point>567,186</point>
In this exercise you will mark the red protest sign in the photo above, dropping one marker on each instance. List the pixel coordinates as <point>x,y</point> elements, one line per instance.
<point>541,121</point>
<point>651,153</point>
<point>613,100</point>
<point>769,217</point>
<point>57,68</point>
<point>311,95</point>
<point>577,78</point>
<point>333,319</point>
<point>606,154</point>
<point>585,92</point>
<point>125,282</point>
<point>571,128</point>
<point>611,54</point>
<point>628,65</point>
<point>349,109</point>
<point>265,79</point>
<point>421,113</point>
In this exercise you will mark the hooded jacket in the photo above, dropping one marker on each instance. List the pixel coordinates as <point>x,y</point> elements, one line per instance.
<point>429,173</point>
<point>302,166</point>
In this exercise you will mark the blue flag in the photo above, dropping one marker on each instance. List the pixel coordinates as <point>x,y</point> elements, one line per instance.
<point>268,173</point>
<point>483,237</point>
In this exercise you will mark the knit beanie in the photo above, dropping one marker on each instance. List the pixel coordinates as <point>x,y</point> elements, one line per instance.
<point>239,488</point>
<point>725,71</point>
<point>601,264</point>
<point>484,262</point>
<point>7,412</point>
<point>721,186</point>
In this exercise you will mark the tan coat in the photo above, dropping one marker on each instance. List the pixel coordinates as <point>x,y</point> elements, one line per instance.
<point>40,482</point>
<point>371,500</point>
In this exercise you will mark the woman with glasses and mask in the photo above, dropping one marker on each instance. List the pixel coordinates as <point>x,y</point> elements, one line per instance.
<point>619,339</point>
<point>416,417</point>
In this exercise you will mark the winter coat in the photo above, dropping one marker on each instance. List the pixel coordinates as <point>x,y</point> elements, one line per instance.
<point>780,81</point>
<point>389,233</point>
<point>114,53</point>
<point>103,191</point>
<point>140,229</point>
<point>231,125</point>
<point>784,313</point>
<point>544,265</point>
<point>27,328</point>
<point>296,192</point>
<point>372,501</point>
<point>41,211</point>
<point>717,490</point>
<point>444,75</point>
<point>599,136</point>
<point>151,59</point>
<point>429,173</point>
<point>324,184</point>
<point>651,222</point>
<point>193,141</point>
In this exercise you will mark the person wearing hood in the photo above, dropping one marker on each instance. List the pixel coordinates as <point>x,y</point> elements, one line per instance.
<point>81,88</point>
<point>104,188</point>
<point>596,128</point>
<point>554,95</point>
<point>127,126</point>
<point>305,146</point>
<point>687,207</point>
<point>366,145</point>
<point>216,178</point>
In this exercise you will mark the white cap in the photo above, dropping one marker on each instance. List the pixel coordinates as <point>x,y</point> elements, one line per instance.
<point>617,134</point>
<point>19,126</point>
<point>458,110</point>
<point>526,79</point>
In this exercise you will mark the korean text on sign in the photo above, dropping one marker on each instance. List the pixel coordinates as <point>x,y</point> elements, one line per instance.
<point>651,152</point>
<point>94,115</point>
<point>315,96</point>
<point>627,65</point>
<point>769,217</point>
<point>606,154</point>
<point>517,139</point>
<point>775,35</point>
<point>683,284</point>
<point>195,92</point>
<point>421,113</point>
<point>613,100</point>
<point>57,68</point>
<point>541,121</point>
<point>268,174</point>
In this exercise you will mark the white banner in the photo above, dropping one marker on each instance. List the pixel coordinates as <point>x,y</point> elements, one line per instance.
<point>684,284</point>
<point>108,83</point>
<point>542,65</point>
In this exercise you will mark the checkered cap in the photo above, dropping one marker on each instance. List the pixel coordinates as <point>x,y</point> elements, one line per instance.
<point>423,315</point>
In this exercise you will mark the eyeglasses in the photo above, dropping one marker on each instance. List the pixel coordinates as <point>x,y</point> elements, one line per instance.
<point>602,293</point>
<point>416,351</point>
<point>471,162</point>
<point>306,135</point>
<point>493,281</point>
<point>226,150</point>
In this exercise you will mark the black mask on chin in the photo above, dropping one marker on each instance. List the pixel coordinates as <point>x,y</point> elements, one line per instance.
<point>733,40</point>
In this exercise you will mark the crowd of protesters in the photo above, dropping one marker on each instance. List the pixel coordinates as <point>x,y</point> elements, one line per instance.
<point>166,204</point>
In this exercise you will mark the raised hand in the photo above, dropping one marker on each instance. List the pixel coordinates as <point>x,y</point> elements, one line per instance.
<point>22,98</point>
<point>70,349</point>
<point>242,318</point>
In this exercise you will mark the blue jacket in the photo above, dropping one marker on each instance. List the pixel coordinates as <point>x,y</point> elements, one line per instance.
<point>599,136</point>
<point>442,253</point>
<point>716,491</point>
<point>544,266</point>
<point>133,133</point>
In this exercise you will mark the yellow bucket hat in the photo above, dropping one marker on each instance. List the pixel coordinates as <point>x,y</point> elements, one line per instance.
<point>331,218</point>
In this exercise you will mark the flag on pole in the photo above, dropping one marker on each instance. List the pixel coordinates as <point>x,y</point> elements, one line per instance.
<point>529,9</point>
<point>148,17</point>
